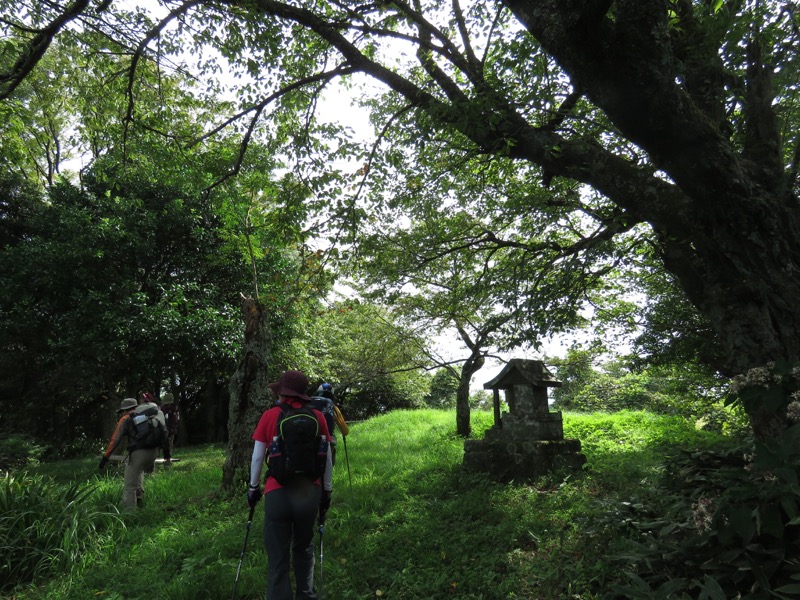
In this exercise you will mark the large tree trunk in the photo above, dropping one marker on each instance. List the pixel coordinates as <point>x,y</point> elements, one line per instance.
<point>746,290</point>
<point>249,395</point>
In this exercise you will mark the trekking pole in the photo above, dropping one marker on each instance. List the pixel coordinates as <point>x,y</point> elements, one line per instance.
<point>347,460</point>
<point>321,556</point>
<point>241,555</point>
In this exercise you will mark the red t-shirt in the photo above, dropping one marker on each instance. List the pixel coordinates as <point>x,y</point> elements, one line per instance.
<point>267,429</point>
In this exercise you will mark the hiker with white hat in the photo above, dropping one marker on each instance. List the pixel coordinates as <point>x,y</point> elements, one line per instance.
<point>144,428</point>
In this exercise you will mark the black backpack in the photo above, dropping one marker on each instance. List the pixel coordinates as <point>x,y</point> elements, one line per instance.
<point>299,450</point>
<point>145,430</point>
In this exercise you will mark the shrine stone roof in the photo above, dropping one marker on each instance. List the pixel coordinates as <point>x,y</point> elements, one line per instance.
<point>521,371</point>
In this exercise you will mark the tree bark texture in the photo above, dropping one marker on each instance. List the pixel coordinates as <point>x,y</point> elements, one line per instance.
<point>249,395</point>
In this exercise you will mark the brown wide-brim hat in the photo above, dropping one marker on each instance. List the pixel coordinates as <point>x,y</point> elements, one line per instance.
<point>291,383</point>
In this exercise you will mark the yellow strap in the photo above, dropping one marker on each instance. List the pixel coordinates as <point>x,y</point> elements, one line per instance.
<point>340,422</point>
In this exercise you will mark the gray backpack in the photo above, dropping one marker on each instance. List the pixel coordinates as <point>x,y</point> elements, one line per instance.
<point>145,430</point>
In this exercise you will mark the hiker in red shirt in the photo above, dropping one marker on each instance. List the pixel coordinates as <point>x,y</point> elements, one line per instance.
<point>295,440</point>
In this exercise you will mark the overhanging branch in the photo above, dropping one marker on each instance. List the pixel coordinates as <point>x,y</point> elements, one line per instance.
<point>33,52</point>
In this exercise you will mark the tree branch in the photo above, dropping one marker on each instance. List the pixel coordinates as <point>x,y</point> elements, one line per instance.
<point>36,48</point>
<point>259,108</point>
<point>154,33</point>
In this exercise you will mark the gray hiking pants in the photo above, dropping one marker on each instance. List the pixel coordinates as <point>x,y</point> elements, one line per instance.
<point>289,518</point>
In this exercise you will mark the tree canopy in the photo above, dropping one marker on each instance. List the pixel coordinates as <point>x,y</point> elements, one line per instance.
<point>678,116</point>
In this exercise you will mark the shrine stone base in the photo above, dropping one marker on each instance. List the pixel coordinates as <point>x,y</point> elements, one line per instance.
<point>507,458</point>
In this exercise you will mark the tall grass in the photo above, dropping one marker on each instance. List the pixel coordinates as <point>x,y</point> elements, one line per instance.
<point>46,529</point>
<point>414,524</point>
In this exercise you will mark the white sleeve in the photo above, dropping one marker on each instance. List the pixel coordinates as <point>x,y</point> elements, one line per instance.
<point>256,462</point>
<point>327,479</point>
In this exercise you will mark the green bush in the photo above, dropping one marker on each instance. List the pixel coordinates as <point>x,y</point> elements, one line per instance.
<point>662,391</point>
<point>45,528</point>
<point>482,400</point>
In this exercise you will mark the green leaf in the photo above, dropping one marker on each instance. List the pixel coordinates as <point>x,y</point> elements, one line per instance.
<point>770,521</point>
<point>741,519</point>
<point>792,588</point>
<point>773,398</point>
<point>711,589</point>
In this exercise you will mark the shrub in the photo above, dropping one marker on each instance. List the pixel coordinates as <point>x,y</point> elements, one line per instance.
<point>45,528</point>
<point>79,445</point>
<point>726,525</point>
<point>481,400</point>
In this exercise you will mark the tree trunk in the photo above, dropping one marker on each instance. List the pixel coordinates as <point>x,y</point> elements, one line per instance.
<point>249,395</point>
<point>471,366</point>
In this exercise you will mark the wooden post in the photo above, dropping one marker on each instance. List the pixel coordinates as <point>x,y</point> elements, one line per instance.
<point>497,422</point>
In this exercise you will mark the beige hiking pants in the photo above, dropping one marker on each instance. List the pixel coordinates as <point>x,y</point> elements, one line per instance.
<point>139,462</point>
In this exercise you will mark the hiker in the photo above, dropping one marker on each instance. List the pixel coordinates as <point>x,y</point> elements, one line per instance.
<point>146,397</point>
<point>325,402</point>
<point>144,429</point>
<point>295,439</point>
<point>172,414</point>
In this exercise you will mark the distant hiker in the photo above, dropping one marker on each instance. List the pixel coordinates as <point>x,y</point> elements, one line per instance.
<point>145,430</point>
<point>294,438</point>
<point>325,402</point>
<point>146,397</point>
<point>172,414</point>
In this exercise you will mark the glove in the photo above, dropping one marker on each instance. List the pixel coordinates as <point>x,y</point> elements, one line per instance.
<point>254,494</point>
<point>324,505</point>
<point>103,463</point>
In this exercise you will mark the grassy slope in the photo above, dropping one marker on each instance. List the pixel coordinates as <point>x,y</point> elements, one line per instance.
<point>413,526</point>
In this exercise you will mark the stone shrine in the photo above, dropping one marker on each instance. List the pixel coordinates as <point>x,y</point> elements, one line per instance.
<point>528,441</point>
